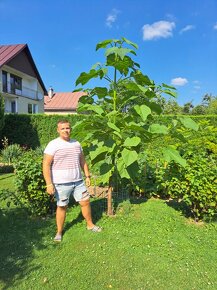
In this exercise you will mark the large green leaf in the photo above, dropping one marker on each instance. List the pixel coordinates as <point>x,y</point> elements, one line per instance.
<point>122,66</point>
<point>110,144</point>
<point>158,129</point>
<point>122,169</point>
<point>106,172</point>
<point>113,126</point>
<point>132,86</point>
<point>103,44</point>
<point>172,154</point>
<point>189,123</point>
<point>95,108</point>
<point>121,52</point>
<point>85,77</point>
<point>130,142</point>
<point>155,107</point>
<point>133,170</point>
<point>101,92</point>
<point>129,156</point>
<point>117,134</point>
<point>130,42</point>
<point>141,79</point>
<point>143,111</point>
<point>171,93</point>
<point>97,151</point>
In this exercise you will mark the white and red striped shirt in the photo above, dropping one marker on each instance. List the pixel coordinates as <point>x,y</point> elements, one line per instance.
<point>66,160</point>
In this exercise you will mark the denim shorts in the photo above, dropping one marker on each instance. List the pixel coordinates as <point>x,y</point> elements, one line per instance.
<point>65,190</point>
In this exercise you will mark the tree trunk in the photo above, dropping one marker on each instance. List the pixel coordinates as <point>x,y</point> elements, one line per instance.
<point>109,201</point>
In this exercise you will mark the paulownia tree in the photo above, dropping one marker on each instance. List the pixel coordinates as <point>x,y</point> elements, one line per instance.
<point>122,114</point>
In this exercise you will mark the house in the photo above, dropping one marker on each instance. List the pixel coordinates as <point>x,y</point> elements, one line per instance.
<point>20,82</point>
<point>61,103</point>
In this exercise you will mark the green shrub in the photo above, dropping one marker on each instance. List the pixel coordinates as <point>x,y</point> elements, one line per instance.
<point>30,183</point>
<point>10,153</point>
<point>196,184</point>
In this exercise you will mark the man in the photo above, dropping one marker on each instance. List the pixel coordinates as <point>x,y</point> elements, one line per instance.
<point>62,164</point>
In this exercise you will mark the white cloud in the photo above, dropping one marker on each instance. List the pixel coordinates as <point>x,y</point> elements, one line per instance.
<point>179,81</point>
<point>160,29</point>
<point>196,82</point>
<point>197,87</point>
<point>215,26</point>
<point>187,28</point>
<point>112,17</point>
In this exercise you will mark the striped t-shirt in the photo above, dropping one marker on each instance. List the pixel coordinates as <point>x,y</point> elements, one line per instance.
<point>66,160</point>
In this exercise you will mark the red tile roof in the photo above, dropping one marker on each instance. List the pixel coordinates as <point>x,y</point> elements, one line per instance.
<point>8,52</point>
<point>62,101</point>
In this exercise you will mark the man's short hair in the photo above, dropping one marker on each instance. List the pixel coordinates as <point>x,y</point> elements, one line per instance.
<point>63,121</point>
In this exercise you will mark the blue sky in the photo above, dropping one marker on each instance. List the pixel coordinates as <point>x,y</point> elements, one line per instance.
<point>177,39</point>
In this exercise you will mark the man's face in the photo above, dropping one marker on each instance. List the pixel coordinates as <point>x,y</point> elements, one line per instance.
<point>64,131</point>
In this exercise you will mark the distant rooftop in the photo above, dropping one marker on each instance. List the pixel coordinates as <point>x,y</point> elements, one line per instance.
<point>66,101</point>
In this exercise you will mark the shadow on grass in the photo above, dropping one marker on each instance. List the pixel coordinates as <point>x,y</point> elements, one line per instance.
<point>186,211</point>
<point>97,210</point>
<point>5,176</point>
<point>180,207</point>
<point>20,235</point>
<point>99,207</point>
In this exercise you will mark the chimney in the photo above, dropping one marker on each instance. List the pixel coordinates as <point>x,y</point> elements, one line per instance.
<point>50,93</point>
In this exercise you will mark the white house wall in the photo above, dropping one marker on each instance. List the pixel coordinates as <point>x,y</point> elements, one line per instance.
<point>32,92</point>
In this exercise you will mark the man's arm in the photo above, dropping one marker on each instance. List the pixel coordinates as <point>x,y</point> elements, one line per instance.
<point>85,169</point>
<point>47,160</point>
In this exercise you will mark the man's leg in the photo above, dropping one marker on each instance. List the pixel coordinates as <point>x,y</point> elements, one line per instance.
<point>86,212</point>
<point>60,218</point>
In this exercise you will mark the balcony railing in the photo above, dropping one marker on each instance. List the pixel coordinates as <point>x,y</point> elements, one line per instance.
<point>24,92</point>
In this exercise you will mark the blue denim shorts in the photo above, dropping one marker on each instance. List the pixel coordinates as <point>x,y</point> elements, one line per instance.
<point>65,190</point>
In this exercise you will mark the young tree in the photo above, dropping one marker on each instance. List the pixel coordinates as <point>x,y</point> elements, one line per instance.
<point>122,114</point>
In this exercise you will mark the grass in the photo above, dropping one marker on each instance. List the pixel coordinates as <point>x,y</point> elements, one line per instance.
<point>7,181</point>
<point>147,245</point>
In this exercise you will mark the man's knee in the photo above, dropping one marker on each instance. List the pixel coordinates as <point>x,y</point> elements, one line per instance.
<point>84,202</point>
<point>62,207</point>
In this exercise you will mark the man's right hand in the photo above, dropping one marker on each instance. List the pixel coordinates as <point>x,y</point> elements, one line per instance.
<point>50,189</point>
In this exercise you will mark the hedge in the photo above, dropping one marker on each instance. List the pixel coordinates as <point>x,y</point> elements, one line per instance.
<point>36,130</point>
<point>32,131</point>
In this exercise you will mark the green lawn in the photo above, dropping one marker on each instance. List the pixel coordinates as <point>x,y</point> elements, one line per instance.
<point>148,245</point>
<point>7,181</point>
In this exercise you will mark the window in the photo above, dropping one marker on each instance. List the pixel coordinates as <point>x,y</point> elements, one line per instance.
<point>4,81</point>
<point>35,108</point>
<point>13,107</point>
<point>32,108</point>
<point>16,85</point>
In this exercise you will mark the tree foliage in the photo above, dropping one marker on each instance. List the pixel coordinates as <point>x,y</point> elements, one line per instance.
<point>122,113</point>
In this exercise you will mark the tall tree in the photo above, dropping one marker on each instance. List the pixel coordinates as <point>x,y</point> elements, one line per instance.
<point>187,107</point>
<point>207,98</point>
<point>114,134</point>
